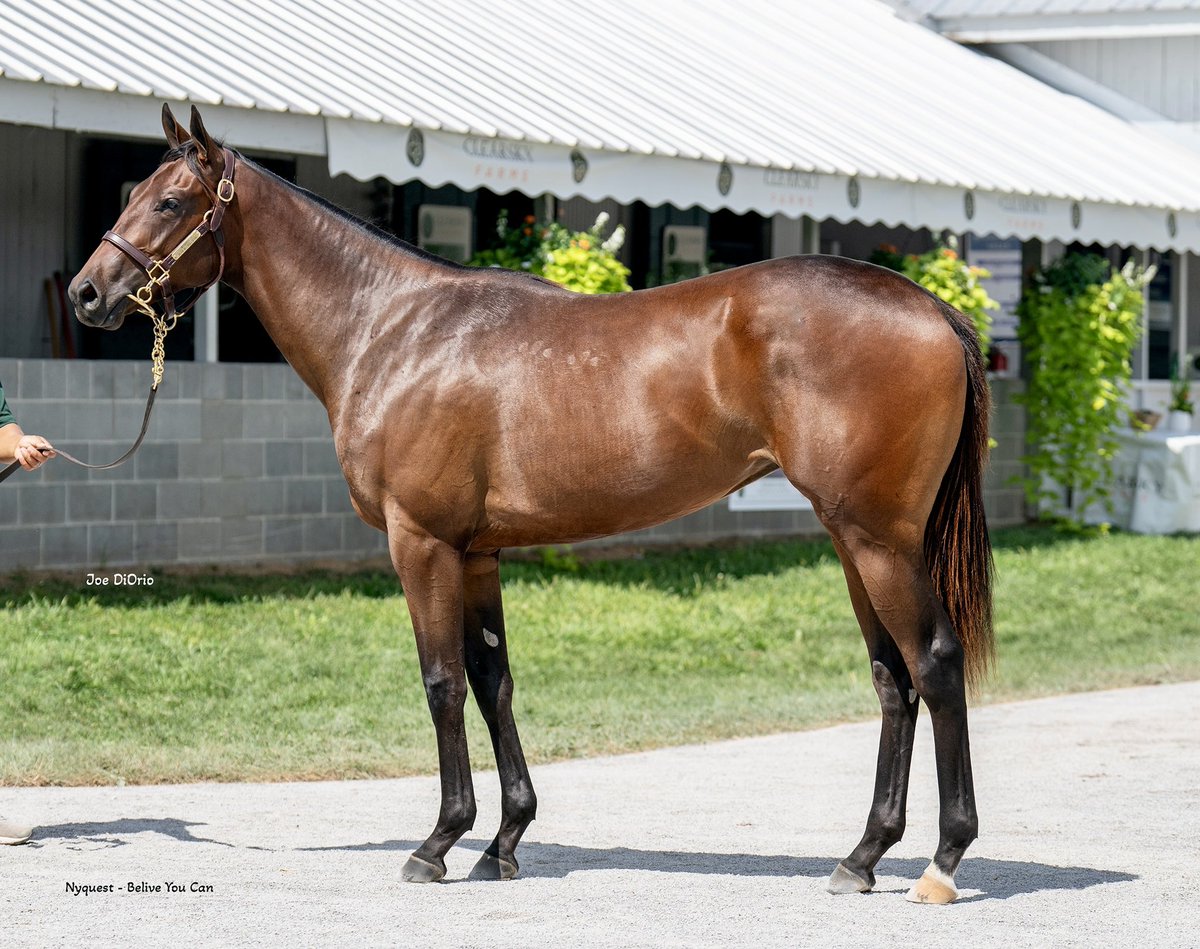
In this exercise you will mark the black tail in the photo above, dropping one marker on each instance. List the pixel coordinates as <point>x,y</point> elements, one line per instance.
<point>957,548</point>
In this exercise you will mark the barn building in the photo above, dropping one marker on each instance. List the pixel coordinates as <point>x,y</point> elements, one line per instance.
<point>716,134</point>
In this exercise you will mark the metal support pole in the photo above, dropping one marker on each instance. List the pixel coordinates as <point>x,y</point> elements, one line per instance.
<point>207,319</point>
<point>1181,342</point>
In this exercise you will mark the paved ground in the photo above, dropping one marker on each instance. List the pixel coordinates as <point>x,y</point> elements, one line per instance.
<point>1088,808</point>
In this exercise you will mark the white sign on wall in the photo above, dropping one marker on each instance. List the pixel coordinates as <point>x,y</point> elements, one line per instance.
<point>771,493</point>
<point>1001,256</point>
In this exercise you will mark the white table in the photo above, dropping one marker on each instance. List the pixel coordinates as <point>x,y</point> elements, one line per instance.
<point>1157,483</point>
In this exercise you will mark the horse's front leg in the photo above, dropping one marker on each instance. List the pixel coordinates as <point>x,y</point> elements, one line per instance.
<point>488,673</point>
<point>431,573</point>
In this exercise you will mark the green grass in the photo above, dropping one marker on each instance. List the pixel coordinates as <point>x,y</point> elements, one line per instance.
<point>223,677</point>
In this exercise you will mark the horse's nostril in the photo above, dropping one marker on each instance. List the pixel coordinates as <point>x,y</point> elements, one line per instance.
<point>87,293</point>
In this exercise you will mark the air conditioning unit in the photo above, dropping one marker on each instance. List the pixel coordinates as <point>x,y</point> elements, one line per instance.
<point>685,252</point>
<point>444,230</point>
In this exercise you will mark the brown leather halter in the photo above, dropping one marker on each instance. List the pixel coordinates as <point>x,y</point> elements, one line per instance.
<point>158,273</point>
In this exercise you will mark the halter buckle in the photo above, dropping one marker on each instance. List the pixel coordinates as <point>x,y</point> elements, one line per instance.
<point>157,273</point>
<point>225,190</point>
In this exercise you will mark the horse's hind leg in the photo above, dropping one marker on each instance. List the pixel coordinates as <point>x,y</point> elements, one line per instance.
<point>487,671</point>
<point>431,573</point>
<point>899,704</point>
<point>896,578</point>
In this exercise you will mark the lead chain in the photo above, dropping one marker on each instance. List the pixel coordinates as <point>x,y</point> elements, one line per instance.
<point>158,352</point>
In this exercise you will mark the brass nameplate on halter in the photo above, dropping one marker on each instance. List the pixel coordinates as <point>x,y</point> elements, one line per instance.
<point>188,241</point>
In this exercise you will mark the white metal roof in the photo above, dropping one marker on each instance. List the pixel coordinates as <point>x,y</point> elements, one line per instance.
<point>830,107</point>
<point>1018,21</point>
<point>940,8</point>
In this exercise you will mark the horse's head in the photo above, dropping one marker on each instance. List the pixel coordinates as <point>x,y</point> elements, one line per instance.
<point>167,239</point>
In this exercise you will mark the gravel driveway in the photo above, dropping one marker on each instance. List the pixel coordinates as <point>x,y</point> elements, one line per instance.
<point>1088,807</point>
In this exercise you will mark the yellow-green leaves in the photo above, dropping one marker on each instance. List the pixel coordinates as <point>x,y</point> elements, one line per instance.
<point>1080,321</point>
<point>583,261</point>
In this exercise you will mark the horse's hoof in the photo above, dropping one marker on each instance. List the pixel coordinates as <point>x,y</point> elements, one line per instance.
<point>417,870</point>
<point>493,868</point>
<point>846,881</point>
<point>933,887</point>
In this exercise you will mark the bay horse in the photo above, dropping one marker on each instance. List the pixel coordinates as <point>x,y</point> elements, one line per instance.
<point>478,409</point>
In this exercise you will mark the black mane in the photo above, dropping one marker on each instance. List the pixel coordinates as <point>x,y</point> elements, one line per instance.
<point>366,227</point>
<point>187,151</point>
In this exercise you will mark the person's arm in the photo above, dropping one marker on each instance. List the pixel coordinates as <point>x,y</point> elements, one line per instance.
<point>31,451</point>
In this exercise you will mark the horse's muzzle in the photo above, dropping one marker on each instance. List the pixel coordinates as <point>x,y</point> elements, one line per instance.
<point>91,306</point>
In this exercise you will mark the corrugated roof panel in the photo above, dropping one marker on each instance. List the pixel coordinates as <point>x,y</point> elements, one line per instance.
<point>831,86</point>
<point>989,8</point>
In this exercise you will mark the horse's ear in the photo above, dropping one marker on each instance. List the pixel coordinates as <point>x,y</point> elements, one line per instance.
<point>205,145</point>
<point>176,133</point>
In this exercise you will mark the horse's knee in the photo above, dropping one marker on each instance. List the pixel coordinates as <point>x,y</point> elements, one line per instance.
<point>446,689</point>
<point>894,697</point>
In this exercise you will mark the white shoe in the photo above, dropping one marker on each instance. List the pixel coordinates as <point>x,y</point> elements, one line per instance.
<point>11,833</point>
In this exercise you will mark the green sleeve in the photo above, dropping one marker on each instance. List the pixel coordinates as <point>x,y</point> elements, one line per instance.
<point>6,417</point>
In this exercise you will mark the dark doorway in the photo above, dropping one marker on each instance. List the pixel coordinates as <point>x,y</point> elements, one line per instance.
<point>111,168</point>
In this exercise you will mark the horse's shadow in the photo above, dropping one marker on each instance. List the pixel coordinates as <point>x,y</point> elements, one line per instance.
<point>996,879</point>
<point>112,833</point>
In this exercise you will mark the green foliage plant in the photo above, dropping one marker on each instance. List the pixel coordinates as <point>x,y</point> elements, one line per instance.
<point>1181,392</point>
<point>583,261</point>
<point>946,275</point>
<point>1080,322</point>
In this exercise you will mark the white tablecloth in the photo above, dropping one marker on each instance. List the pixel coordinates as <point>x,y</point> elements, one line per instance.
<point>1157,489</point>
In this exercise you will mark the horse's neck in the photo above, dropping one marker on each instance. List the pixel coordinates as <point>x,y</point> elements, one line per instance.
<point>319,284</point>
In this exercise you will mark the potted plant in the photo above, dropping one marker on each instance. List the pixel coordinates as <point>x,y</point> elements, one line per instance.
<point>1181,407</point>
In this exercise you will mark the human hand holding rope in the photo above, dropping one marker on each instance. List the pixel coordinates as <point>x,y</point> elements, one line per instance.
<point>25,451</point>
<point>33,451</point>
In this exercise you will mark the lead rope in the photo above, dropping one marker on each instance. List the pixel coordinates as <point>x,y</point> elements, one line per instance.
<point>158,357</point>
<point>158,372</point>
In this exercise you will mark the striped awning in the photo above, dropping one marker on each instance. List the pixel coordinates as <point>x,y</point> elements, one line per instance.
<point>827,108</point>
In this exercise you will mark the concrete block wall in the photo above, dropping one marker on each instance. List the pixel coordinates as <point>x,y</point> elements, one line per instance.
<point>1005,501</point>
<point>239,467</point>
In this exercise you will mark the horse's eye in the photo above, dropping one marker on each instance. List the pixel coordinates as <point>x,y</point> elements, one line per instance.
<point>169,204</point>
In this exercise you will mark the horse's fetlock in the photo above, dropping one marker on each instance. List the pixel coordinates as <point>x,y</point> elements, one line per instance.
<point>520,804</point>
<point>458,816</point>
<point>889,829</point>
<point>959,830</point>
